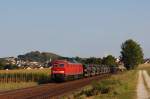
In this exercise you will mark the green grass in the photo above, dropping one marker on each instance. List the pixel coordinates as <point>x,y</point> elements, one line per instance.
<point>120,86</point>
<point>123,88</point>
<point>12,86</point>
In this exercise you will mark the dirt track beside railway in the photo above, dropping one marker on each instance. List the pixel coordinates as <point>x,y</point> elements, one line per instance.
<point>49,91</point>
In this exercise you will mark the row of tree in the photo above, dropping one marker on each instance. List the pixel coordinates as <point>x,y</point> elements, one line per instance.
<point>109,60</point>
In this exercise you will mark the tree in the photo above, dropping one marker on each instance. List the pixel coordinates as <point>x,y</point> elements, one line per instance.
<point>78,59</point>
<point>92,60</point>
<point>10,66</point>
<point>109,60</point>
<point>131,54</point>
<point>2,64</point>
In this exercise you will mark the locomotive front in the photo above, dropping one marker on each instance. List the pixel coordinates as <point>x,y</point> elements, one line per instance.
<point>63,70</point>
<point>58,70</point>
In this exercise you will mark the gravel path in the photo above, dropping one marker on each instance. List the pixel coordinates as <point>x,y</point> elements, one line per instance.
<point>146,78</point>
<point>142,92</point>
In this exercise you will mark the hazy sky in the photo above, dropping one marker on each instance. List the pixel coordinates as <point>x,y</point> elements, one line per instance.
<point>73,27</point>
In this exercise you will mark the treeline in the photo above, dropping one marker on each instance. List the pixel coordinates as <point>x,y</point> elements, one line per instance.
<point>108,60</point>
<point>47,57</point>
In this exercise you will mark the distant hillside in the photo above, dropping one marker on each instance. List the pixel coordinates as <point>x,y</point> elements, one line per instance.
<point>38,56</point>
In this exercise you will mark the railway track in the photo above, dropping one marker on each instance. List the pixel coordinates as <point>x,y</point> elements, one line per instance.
<point>49,91</point>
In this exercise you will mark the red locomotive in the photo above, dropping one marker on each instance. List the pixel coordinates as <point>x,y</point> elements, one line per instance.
<point>63,70</point>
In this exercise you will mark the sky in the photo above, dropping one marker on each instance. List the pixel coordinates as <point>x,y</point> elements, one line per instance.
<point>70,28</point>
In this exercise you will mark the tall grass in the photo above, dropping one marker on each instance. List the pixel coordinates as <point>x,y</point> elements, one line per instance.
<point>39,76</point>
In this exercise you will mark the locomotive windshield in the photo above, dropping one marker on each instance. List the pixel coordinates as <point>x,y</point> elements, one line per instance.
<point>58,65</point>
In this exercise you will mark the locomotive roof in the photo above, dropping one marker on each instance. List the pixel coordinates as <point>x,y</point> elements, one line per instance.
<point>67,61</point>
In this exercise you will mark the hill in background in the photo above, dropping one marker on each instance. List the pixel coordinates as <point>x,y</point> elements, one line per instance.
<point>38,56</point>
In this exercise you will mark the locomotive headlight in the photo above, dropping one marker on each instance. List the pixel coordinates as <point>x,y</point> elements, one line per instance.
<point>85,70</point>
<point>59,72</point>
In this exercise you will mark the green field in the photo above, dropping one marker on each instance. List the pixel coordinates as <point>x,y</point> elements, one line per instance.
<point>14,79</point>
<point>120,86</point>
<point>33,75</point>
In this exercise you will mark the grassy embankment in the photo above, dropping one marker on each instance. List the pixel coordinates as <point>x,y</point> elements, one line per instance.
<point>120,86</point>
<point>14,79</point>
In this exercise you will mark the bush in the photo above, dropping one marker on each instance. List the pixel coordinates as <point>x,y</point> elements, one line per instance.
<point>102,87</point>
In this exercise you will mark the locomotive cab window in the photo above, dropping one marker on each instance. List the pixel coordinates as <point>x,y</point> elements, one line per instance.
<point>58,65</point>
<point>61,65</point>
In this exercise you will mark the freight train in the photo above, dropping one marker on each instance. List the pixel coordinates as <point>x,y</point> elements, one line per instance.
<point>63,70</point>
